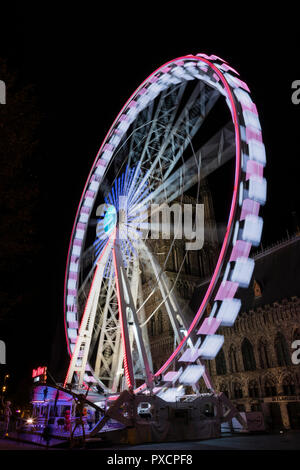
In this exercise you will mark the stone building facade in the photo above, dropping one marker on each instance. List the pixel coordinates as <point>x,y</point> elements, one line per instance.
<point>254,368</point>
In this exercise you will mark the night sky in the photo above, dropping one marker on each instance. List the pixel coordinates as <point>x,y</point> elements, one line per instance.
<point>81,67</point>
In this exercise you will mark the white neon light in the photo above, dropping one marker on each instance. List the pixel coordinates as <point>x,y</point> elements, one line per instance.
<point>100,170</point>
<point>236,231</point>
<point>74,267</point>
<point>143,101</point>
<point>70,300</point>
<point>76,250</point>
<point>252,229</point>
<point>242,272</point>
<point>172,376</point>
<point>155,89</point>
<point>83,218</point>
<point>72,333</point>
<point>243,133</point>
<point>226,272</point>
<point>94,185</point>
<point>171,394</point>
<point>71,317</point>
<point>132,113</point>
<point>181,73</point>
<point>106,156</point>
<point>123,125</point>
<point>71,284</point>
<point>241,194</point>
<point>251,119</point>
<point>258,189</point>
<point>257,151</point>
<point>243,96</point>
<point>88,202</point>
<point>79,234</point>
<point>211,346</point>
<point>228,311</point>
<point>191,69</point>
<point>191,374</point>
<point>114,140</point>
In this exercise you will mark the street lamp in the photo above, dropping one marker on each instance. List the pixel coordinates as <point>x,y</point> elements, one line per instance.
<point>4,388</point>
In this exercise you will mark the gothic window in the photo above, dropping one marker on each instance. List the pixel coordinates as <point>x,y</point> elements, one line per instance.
<point>264,361</point>
<point>224,389</point>
<point>160,326</point>
<point>171,331</point>
<point>187,264</point>
<point>237,390</point>
<point>200,264</point>
<point>281,349</point>
<point>152,326</point>
<point>296,334</point>
<point>176,259</point>
<point>209,367</point>
<point>288,386</point>
<point>173,257</point>
<point>221,363</point>
<point>256,407</point>
<point>257,289</point>
<point>270,388</point>
<point>253,389</point>
<point>232,360</point>
<point>208,308</point>
<point>248,355</point>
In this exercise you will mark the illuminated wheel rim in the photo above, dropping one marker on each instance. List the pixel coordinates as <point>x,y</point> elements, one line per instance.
<point>244,226</point>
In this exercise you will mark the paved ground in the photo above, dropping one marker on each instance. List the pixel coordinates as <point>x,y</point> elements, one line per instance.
<point>290,441</point>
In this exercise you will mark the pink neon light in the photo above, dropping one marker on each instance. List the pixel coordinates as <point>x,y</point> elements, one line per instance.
<point>226,290</point>
<point>254,169</point>
<point>240,249</point>
<point>253,134</point>
<point>249,107</point>
<point>170,376</point>
<point>189,355</point>
<point>249,207</point>
<point>209,326</point>
<point>227,67</point>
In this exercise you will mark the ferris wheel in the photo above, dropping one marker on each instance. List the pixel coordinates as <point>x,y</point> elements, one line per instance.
<point>185,122</point>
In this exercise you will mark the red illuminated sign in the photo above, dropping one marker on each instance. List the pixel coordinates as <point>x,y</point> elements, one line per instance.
<point>39,371</point>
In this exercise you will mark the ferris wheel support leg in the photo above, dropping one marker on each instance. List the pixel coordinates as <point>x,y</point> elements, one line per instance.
<point>127,312</point>
<point>231,412</point>
<point>118,374</point>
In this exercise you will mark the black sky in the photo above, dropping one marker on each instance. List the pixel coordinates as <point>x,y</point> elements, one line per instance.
<point>84,64</point>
